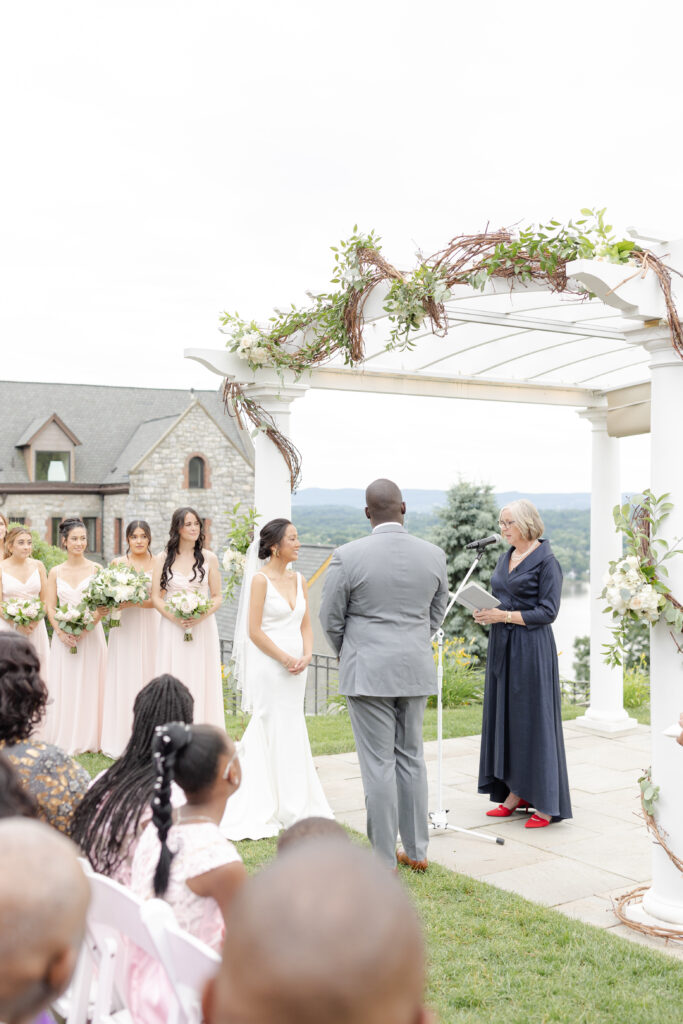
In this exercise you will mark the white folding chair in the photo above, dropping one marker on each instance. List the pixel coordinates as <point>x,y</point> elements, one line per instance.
<point>98,992</point>
<point>187,961</point>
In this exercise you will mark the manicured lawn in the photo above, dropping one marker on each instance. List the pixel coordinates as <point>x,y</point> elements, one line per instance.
<point>331,734</point>
<point>494,956</point>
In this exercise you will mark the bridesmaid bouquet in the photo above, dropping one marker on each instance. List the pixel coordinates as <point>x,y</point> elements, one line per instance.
<point>23,612</point>
<point>188,604</point>
<point>74,619</point>
<point>114,586</point>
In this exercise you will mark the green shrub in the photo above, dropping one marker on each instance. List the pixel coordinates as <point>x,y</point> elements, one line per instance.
<point>463,682</point>
<point>637,685</point>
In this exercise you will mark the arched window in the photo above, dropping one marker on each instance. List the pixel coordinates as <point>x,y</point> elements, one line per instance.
<point>196,473</point>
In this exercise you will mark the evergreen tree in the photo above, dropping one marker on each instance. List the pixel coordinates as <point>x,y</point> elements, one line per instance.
<point>470,513</point>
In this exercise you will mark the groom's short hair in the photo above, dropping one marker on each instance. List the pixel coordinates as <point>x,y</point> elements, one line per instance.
<point>325,934</point>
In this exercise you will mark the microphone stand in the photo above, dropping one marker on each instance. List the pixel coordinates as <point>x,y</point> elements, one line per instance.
<point>439,819</point>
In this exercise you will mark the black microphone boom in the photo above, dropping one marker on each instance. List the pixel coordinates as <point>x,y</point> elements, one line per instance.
<point>484,542</point>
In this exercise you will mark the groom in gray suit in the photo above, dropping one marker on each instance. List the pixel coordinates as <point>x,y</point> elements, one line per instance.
<point>384,596</point>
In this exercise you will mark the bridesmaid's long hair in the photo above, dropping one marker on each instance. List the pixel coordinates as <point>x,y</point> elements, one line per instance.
<point>108,816</point>
<point>139,524</point>
<point>173,547</point>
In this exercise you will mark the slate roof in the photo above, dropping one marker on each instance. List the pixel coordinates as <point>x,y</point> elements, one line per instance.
<point>116,425</point>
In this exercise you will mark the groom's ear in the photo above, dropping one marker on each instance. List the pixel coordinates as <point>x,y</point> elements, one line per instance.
<point>367,512</point>
<point>403,508</point>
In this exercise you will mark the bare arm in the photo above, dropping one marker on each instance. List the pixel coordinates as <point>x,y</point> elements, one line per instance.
<point>221,884</point>
<point>158,596</point>
<point>215,585</point>
<point>256,635</point>
<point>307,635</point>
<point>51,603</point>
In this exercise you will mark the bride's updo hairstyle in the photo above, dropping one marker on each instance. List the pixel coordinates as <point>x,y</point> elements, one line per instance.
<point>173,547</point>
<point>188,755</point>
<point>270,536</point>
<point>66,526</point>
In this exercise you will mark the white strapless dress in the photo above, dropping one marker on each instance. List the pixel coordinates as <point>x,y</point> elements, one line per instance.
<point>279,782</point>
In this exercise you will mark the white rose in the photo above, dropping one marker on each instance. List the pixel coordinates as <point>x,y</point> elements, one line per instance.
<point>228,556</point>
<point>258,354</point>
<point>608,579</point>
<point>637,602</point>
<point>12,608</point>
<point>632,561</point>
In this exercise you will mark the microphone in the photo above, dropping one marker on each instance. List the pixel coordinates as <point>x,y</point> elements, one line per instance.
<point>484,542</point>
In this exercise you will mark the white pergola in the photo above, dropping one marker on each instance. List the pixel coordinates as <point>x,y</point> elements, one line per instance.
<point>609,357</point>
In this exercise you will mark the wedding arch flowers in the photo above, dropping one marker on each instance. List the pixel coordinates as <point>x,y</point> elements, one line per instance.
<point>634,586</point>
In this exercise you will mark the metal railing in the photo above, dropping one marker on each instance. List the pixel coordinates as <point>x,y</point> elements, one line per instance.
<point>322,684</point>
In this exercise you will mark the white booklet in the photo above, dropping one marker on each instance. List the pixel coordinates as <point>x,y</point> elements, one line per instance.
<point>474,597</point>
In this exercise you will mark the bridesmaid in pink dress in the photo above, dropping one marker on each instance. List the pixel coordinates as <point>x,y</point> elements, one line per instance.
<point>187,565</point>
<point>132,649</point>
<point>74,719</point>
<point>24,578</point>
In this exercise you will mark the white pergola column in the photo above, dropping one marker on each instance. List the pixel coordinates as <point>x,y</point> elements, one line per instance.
<point>606,714</point>
<point>664,901</point>
<point>274,392</point>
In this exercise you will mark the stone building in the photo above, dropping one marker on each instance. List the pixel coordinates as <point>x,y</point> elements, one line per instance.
<point>112,454</point>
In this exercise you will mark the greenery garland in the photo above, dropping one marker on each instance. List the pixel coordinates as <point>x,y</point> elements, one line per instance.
<point>634,585</point>
<point>301,338</point>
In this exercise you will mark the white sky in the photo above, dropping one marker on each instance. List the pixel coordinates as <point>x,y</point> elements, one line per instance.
<point>166,160</point>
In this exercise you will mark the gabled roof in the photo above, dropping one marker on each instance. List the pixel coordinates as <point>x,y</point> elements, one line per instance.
<point>38,424</point>
<point>117,425</point>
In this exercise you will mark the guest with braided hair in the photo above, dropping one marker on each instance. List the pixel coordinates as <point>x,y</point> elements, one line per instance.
<point>112,815</point>
<point>182,855</point>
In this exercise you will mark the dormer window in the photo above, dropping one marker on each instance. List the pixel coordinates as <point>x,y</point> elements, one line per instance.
<point>53,466</point>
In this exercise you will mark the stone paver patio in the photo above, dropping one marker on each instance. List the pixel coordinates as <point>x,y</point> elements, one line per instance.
<point>575,866</point>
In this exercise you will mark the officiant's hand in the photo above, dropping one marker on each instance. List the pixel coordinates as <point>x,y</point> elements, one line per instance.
<point>487,616</point>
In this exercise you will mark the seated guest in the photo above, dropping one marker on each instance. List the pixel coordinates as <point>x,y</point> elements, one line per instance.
<point>310,828</point>
<point>15,801</point>
<point>112,815</point>
<point>182,855</point>
<point>324,935</point>
<point>43,902</point>
<point>56,781</point>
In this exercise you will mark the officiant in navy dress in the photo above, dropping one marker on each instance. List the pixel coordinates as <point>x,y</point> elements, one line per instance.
<point>522,762</point>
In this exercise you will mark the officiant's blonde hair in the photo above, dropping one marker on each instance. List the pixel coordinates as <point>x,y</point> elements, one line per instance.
<point>527,518</point>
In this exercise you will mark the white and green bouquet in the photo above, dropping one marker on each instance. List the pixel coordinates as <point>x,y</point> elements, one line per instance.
<point>23,611</point>
<point>188,604</point>
<point>240,536</point>
<point>74,619</point>
<point>114,586</point>
<point>628,591</point>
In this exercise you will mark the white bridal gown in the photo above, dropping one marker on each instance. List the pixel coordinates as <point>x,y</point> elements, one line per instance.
<point>279,781</point>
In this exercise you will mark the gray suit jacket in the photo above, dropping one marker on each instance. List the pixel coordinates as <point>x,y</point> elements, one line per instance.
<point>384,596</point>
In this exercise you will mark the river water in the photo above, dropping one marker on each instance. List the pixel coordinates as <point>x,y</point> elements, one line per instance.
<point>573,620</point>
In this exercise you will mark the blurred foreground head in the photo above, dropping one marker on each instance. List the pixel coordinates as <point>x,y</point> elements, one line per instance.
<point>43,902</point>
<point>324,935</point>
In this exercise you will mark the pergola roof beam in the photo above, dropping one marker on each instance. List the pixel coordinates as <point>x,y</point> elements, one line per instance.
<point>626,366</point>
<point>554,326</point>
<point>574,362</point>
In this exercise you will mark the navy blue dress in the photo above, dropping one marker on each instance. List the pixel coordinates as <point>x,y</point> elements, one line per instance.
<point>522,746</point>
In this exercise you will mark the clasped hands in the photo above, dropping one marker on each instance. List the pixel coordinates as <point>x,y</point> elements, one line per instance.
<point>295,666</point>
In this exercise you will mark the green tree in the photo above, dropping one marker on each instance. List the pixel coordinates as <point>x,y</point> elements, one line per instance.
<point>470,513</point>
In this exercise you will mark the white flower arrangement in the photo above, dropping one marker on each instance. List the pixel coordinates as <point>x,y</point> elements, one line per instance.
<point>23,612</point>
<point>74,619</point>
<point>114,586</point>
<point>188,604</point>
<point>629,594</point>
<point>248,341</point>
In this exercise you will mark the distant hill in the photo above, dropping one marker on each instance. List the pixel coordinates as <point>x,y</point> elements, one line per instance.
<point>427,501</point>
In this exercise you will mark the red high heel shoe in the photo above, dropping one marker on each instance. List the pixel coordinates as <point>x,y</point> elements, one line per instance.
<point>501,811</point>
<point>536,821</point>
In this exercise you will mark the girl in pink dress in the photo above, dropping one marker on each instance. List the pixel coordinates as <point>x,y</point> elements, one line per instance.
<point>187,565</point>
<point>182,856</point>
<point>24,578</point>
<point>74,718</point>
<point>132,649</point>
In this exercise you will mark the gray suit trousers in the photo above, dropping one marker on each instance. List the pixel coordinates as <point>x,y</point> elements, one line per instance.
<point>388,734</point>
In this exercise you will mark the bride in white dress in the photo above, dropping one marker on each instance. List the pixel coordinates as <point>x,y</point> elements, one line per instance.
<point>272,650</point>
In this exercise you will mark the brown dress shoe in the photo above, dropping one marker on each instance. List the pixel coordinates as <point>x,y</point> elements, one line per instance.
<point>415,865</point>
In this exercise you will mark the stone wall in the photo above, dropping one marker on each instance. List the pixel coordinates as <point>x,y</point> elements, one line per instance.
<point>38,510</point>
